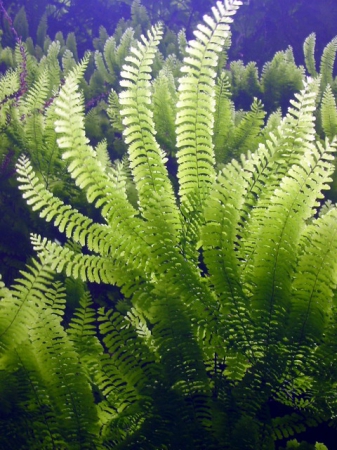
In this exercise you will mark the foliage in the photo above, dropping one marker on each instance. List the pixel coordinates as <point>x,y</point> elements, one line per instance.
<point>228,276</point>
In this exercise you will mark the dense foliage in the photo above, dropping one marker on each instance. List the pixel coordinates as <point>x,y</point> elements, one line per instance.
<point>212,229</point>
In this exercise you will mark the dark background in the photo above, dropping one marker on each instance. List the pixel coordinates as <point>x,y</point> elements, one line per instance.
<point>261,27</point>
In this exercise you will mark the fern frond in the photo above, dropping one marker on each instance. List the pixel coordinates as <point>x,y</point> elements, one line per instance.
<point>276,251</point>
<point>113,111</point>
<point>16,308</point>
<point>309,54</point>
<point>223,117</point>
<point>70,393</point>
<point>147,159</point>
<point>164,109</point>
<point>273,159</point>
<point>327,64</point>
<point>9,85</point>
<point>82,332</point>
<point>329,113</point>
<point>245,136</point>
<point>68,62</point>
<point>196,103</point>
<point>87,267</point>
<point>313,287</point>
<point>123,50</point>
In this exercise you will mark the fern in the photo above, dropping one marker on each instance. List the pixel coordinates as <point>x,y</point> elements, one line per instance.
<point>309,54</point>
<point>227,293</point>
<point>329,113</point>
<point>195,124</point>
<point>327,63</point>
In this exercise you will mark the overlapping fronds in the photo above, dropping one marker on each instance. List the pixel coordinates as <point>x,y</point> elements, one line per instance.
<point>227,294</point>
<point>16,305</point>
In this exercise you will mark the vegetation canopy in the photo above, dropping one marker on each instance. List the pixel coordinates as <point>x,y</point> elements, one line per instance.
<point>228,273</point>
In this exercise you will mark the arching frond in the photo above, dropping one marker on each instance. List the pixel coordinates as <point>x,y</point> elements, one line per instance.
<point>147,159</point>
<point>197,102</point>
<point>329,113</point>
<point>309,54</point>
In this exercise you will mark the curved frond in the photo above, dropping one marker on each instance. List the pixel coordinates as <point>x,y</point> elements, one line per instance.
<point>327,64</point>
<point>196,104</point>
<point>309,54</point>
<point>329,113</point>
<point>147,159</point>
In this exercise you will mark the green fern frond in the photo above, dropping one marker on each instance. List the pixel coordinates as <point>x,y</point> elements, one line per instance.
<point>50,63</point>
<point>164,110</point>
<point>108,77</point>
<point>37,95</point>
<point>223,117</point>
<point>329,113</point>
<point>113,111</point>
<point>70,393</point>
<point>245,136</point>
<point>270,300</point>
<point>9,85</point>
<point>309,54</point>
<point>314,286</point>
<point>196,103</point>
<point>87,267</point>
<point>123,50</point>
<point>68,62</point>
<point>147,159</point>
<point>327,64</point>
<point>16,308</point>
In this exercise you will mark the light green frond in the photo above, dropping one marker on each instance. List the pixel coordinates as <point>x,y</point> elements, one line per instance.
<point>109,53</point>
<point>327,64</point>
<point>86,267</point>
<point>182,43</point>
<point>246,134</point>
<point>51,64</point>
<point>219,234</point>
<point>329,113</point>
<point>9,85</point>
<point>147,159</point>
<point>74,224</point>
<point>37,95</point>
<point>309,54</point>
<point>195,115</point>
<point>273,122</point>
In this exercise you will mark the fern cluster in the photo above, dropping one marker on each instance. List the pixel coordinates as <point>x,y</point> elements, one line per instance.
<point>228,275</point>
